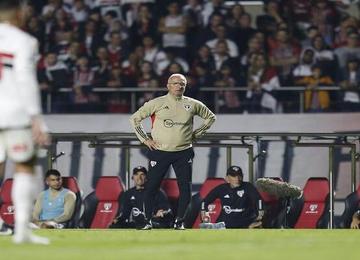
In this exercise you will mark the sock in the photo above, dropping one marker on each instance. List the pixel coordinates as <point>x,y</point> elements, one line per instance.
<point>22,195</point>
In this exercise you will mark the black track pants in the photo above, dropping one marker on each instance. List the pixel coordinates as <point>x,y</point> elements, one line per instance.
<point>159,163</point>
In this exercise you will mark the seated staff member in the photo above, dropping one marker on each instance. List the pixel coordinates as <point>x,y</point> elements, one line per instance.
<point>239,200</point>
<point>132,206</point>
<point>54,205</point>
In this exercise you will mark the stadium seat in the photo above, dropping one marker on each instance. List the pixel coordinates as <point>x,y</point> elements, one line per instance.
<point>352,203</point>
<point>71,183</point>
<point>102,205</point>
<point>312,209</point>
<point>171,189</point>
<point>6,205</point>
<point>192,218</point>
<point>273,207</point>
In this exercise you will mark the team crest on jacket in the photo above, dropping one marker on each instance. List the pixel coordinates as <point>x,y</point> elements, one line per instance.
<point>187,107</point>
<point>240,193</point>
<point>153,163</point>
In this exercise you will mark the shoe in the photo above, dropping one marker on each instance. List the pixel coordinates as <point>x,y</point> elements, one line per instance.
<point>6,231</point>
<point>147,226</point>
<point>31,239</point>
<point>179,225</point>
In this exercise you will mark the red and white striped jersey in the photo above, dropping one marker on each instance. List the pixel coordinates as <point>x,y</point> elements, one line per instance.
<point>19,90</point>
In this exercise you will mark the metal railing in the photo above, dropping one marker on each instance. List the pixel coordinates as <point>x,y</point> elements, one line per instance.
<point>232,140</point>
<point>133,91</point>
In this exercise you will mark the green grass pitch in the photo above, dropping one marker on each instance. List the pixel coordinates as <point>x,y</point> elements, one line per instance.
<point>189,244</point>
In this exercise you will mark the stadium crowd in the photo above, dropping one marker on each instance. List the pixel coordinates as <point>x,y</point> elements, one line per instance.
<point>87,44</point>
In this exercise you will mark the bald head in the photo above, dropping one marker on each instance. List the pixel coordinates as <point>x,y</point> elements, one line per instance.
<point>176,84</point>
<point>177,75</point>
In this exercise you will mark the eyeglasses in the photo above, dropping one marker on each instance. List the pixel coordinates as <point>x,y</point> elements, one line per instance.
<point>179,83</point>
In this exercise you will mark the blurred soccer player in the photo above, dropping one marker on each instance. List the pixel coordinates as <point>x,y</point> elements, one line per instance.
<point>172,135</point>
<point>21,126</point>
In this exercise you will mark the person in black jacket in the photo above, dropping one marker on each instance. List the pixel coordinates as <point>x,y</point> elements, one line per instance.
<point>132,206</point>
<point>240,201</point>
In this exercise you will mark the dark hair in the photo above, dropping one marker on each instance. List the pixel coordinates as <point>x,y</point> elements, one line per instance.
<point>52,172</point>
<point>10,4</point>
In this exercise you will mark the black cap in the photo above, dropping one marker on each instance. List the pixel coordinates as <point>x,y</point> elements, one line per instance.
<point>139,169</point>
<point>234,171</point>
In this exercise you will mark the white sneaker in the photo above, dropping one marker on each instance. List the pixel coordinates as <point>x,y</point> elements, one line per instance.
<point>5,232</point>
<point>31,239</point>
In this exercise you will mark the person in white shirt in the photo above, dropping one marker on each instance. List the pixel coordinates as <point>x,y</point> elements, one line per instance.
<point>21,126</point>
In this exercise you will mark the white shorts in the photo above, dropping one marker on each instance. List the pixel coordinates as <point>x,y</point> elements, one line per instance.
<point>17,145</point>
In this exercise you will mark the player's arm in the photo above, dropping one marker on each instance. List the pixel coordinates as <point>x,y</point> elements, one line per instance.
<point>211,197</point>
<point>162,206</point>
<point>37,208</point>
<point>26,82</point>
<point>208,116</point>
<point>143,112</point>
<point>69,207</point>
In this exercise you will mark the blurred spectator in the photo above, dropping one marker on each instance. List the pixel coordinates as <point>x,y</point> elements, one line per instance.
<point>262,80</point>
<point>351,49</point>
<point>173,28</point>
<point>243,33</point>
<point>79,12</point>
<point>221,55</point>
<point>205,59</point>
<point>284,55</point>
<point>349,81</point>
<point>170,58</point>
<point>324,56</point>
<point>299,13</point>
<point>117,102</point>
<point>348,24</point>
<point>209,32</point>
<point>253,46</point>
<point>145,77</point>
<point>71,55</point>
<point>61,32</point>
<point>233,16</point>
<point>316,100</point>
<point>154,84</point>
<point>108,5</point>
<point>144,24</point>
<point>101,67</point>
<point>53,75</point>
<point>153,54</point>
<point>228,100</point>
<point>115,25</point>
<point>36,28</point>
<point>117,49</point>
<point>307,59</point>
<point>323,16</point>
<point>212,7</point>
<point>311,33</point>
<point>267,23</point>
<point>221,35</point>
<point>92,38</point>
<point>83,83</point>
<point>192,12</point>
